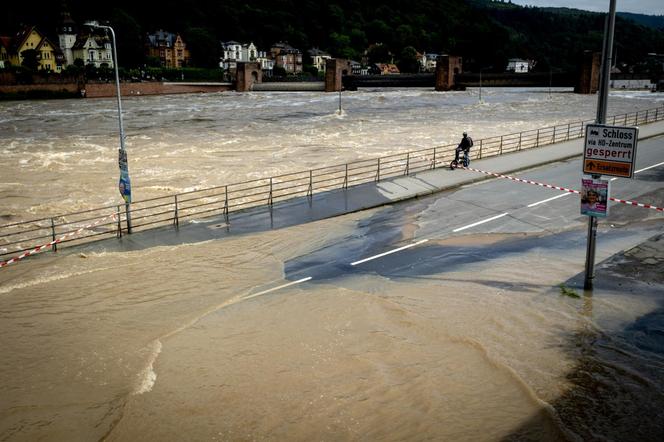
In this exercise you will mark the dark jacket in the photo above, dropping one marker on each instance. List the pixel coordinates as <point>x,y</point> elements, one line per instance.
<point>465,143</point>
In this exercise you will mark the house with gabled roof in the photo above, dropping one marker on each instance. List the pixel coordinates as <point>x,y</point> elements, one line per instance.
<point>233,52</point>
<point>93,48</point>
<point>287,57</point>
<point>319,58</point>
<point>168,47</point>
<point>49,55</point>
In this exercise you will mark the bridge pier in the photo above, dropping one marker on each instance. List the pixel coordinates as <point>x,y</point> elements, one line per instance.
<point>335,69</point>
<point>588,81</point>
<point>447,66</point>
<point>248,74</point>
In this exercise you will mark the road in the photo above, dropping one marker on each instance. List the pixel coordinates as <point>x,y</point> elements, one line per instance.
<point>497,207</point>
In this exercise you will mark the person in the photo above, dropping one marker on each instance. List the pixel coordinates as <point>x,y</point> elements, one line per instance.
<point>591,200</point>
<point>465,145</point>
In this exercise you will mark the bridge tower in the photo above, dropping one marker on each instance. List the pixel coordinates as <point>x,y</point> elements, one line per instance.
<point>447,66</point>
<point>248,73</point>
<point>588,81</point>
<point>335,69</point>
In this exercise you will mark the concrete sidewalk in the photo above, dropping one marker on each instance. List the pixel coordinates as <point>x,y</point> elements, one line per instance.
<point>364,196</point>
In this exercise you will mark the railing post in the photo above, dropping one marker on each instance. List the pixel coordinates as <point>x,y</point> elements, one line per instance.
<point>568,127</point>
<point>614,120</point>
<point>128,211</point>
<point>625,123</point>
<point>537,139</point>
<point>55,245</point>
<point>269,198</point>
<point>119,215</point>
<point>226,203</point>
<point>554,135</point>
<point>378,171</point>
<point>433,164</point>
<point>310,191</point>
<point>480,157</point>
<point>345,186</point>
<point>520,133</point>
<point>176,219</point>
<point>657,114</point>
<point>647,110</point>
<point>407,162</point>
<point>500,152</point>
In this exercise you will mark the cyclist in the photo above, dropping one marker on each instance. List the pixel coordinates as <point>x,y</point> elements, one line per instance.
<point>465,145</point>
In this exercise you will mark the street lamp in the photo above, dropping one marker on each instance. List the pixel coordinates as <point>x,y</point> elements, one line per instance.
<point>480,85</point>
<point>482,69</point>
<point>124,184</point>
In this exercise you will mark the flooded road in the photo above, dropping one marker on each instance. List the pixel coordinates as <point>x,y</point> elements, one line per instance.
<point>466,337</point>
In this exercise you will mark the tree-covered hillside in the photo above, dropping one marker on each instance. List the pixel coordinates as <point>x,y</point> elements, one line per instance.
<point>485,33</point>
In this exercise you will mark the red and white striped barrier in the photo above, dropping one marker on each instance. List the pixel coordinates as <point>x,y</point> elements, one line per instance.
<point>55,241</point>
<point>564,189</point>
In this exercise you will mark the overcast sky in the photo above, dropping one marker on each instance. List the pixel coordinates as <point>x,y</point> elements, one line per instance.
<point>650,7</point>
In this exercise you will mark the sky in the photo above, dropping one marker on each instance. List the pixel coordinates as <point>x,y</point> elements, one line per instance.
<point>650,7</point>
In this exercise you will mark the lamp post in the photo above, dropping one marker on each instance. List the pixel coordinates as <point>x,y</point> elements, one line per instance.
<point>482,69</point>
<point>124,183</point>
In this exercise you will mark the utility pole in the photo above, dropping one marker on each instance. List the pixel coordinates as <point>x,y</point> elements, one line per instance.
<point>602,100</point>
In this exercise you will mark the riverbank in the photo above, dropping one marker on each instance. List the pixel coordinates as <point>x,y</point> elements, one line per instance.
<point>106,90</point>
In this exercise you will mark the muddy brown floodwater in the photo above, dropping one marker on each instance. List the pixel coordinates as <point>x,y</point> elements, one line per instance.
<point>165,343</point>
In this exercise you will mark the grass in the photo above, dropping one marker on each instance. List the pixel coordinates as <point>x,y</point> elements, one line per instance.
<point>564,290</point>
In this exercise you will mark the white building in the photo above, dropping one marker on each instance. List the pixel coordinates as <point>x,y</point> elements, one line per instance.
<point>518,65</point>
<point>67,37</point>
<point>267,63</point>
<point>234,52</point>
<point>318,58</point>
<point>428,62</point>
<point>93,49</point>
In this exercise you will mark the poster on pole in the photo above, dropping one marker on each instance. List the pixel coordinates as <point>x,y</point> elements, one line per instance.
<point>124,185</point>
<point>594,197</point>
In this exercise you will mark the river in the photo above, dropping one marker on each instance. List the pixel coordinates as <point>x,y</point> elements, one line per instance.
<point>61,156</point>
<point>158,344</point>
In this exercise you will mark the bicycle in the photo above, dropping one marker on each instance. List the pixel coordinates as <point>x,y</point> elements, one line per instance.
<point>465,160</point>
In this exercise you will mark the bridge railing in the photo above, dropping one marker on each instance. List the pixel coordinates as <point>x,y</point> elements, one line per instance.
<point>225,200</point>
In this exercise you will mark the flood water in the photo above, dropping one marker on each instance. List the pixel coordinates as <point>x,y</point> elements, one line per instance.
<point>61,156</point>
<point>159,344</point>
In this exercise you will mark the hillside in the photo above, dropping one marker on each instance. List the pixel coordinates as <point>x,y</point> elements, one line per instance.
<point>486,33</point>
<point>651,21</point>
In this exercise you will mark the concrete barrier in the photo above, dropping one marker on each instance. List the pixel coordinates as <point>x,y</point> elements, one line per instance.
<point>288,86</point>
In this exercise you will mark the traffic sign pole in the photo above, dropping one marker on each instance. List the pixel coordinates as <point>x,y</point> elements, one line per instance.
<point>603,95</point>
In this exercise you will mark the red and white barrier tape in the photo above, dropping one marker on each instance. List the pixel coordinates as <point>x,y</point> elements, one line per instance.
<point>55,241</point>
<point>564,189</point>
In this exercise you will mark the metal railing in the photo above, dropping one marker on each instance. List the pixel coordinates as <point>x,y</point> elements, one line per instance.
<point>225,200</point>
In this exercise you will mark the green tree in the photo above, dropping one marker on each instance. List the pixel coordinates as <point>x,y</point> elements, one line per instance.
<point>204,47</point>
<point>408,60</point>
<point>379,54</point>
<point>30,59</point>
<point>129,36</point>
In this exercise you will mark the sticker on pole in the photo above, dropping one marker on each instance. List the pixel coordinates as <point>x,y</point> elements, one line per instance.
<point>610,150</point>
<point>124,184</point>
<point>594,197</point>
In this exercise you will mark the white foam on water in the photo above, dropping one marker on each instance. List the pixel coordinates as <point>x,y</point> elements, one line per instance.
<point>148,376</point>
